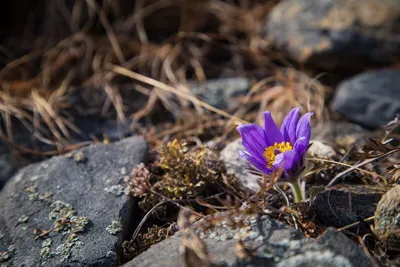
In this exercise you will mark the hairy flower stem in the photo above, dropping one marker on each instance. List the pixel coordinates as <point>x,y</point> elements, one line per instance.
<point>296,188</point>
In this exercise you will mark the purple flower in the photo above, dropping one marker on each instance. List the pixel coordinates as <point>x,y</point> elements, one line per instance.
<point>269,149</point>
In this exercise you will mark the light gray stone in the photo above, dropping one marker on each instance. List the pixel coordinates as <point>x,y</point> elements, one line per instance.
<point>239,166</point>
<point>320,150</point>
<point>333,34</point>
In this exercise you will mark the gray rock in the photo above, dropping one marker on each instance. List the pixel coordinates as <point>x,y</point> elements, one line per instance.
<point>370,99</point>
<point>335,34</point>
<point>331,131</point>
<point>270,243</point>
<point>239,166</point>
<point>220,93</point>
<point>64,187</point>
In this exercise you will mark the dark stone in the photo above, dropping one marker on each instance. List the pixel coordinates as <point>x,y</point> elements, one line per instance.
<point>333,34</point>
<point>370,99</point>
<point>220,93</point>
<point>342,205</point>
<point>89,186</point>
<point>270,243</point>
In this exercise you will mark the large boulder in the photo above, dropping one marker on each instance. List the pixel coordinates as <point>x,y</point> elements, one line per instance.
<point>334,34</point>
<point>70,210</point>
<point>370,99</point>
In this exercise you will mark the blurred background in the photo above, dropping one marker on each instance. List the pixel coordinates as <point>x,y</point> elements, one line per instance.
<point>83,71</point>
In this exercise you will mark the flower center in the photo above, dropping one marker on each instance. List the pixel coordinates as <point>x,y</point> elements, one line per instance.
<point>271,152</point>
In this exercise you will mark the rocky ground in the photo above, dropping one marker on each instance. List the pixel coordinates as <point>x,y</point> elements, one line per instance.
<point>80,208</point>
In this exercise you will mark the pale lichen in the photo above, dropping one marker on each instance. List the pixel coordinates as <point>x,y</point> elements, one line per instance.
<point>64,250</point>
<point>114,228</point>
<point>34,195</point>
<point>65,219</point>
<point>23,219</point>
<point>116,190</point>
<point>45,252</point>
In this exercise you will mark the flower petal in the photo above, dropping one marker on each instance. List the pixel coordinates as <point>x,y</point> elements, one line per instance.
<point>256,163</point>
<point>304,127</point>
<point>253,139</point>
<point>289,125</point>
<point>286,160</point>
<point>301,145</point>
<point>272,133</point>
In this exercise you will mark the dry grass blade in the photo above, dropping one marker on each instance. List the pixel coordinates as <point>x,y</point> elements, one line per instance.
<point>18,62</point>
<point>162,86</point>
<point>110,33</point>
<point>366,251</point>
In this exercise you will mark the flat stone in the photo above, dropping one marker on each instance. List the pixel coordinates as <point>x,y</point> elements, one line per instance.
<point>63,187</point>
<point>239,166</point>
<point>333,34</point>
<point>341,205</point>
<point>370,99</point>
<point>270,243</point>
<point>220,93</point>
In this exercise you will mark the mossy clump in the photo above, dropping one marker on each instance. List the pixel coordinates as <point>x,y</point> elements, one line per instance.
<point>187,172</point>
<point>143,241</point>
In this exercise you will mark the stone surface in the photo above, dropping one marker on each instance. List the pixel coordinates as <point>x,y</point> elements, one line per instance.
<point>220,93</point>
<point>320,150</point>
<point>270,243</point>
<point>6,164</point>
<point>370,99</point>
<point>387,218</point>
<point>335,34</point>
<point>239,166</point>
<point>344,134</point>
<point>64,187</point>
<point>341,205</point>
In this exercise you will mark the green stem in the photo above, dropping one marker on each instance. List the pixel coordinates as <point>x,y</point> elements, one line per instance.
<point>298,196</point>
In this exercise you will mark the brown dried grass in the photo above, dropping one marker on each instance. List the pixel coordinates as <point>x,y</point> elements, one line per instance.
<point>94,37</point>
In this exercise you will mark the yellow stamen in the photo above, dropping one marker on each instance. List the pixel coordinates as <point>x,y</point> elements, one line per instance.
<point>271,151</point>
